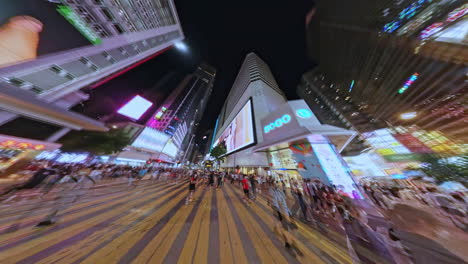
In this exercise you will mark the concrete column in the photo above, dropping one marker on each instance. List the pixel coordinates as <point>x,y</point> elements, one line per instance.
<point>59,134</point>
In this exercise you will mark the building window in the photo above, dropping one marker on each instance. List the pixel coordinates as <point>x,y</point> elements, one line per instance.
<point>107,14</point>
<point>84,13</point>
<point>17,82</point>
<point>37,90</point>
<point>56,69</point>
<point>119,29</point>
<point>84,60</point>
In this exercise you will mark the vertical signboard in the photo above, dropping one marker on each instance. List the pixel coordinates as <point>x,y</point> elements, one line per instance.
<point>335,170</point>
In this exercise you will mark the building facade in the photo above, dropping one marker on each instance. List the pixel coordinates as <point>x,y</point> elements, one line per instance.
<point>121,35</point>
<point>252,97</point>
<point>392,57</point>
<point>168,135</point>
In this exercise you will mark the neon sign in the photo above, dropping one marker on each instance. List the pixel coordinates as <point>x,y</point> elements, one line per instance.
<point>351,86</point>
<point>405,15</point>
<point>451,17</point>
<point>79,24</point>
<point>408,83</point>
<point>277,123</point>
<point>304,113</point>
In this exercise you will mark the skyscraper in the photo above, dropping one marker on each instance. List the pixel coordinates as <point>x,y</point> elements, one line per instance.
<point>253,96</point>
<point>175,122</point>
<point>390,58</point>
<point>100,39</point>
<point>264,133</point>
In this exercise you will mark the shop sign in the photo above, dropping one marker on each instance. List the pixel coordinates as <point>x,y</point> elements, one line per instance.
<point>277,123</point>
<point>404,157</point>
<point>412,143</point>
<point>21,145</point>
<point>304,113</point>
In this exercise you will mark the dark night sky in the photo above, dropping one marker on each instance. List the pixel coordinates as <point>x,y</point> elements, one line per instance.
<point>221,33</point>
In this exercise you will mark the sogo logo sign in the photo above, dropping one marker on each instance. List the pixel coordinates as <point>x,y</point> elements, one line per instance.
<point>278,123</point>
<point>304,113</point>
<point>301,113</point>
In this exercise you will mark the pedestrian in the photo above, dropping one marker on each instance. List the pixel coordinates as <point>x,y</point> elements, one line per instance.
<point>39,177</point>
<point>281,223</point>
<point>245,187</point>
<point>253,183</point>
<point>220,179</point>
<point>211,179</point>
<point>131,177</point>
<point>155,175</point>
<point>192,186</point>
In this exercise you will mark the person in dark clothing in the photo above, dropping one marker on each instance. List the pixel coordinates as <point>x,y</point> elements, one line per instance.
<point>38,178</point>
<point>211,179</point>
<point>253,182</point>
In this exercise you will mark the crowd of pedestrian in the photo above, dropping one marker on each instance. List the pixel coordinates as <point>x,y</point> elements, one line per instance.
<point>307,200</point>
<point>73,180</point>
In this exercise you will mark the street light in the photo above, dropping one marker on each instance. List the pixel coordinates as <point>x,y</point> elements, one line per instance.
<point>181,46</point>
<point>409,115</point>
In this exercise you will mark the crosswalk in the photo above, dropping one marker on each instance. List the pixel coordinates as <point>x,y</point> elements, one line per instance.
<point>152,223</point>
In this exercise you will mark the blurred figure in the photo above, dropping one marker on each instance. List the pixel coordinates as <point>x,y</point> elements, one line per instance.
<point>253,184</point>
<point>282,224</point>
<point>38,178</point>
<point>192,185</point>
<point>245,188</point>
<point>426,238</point>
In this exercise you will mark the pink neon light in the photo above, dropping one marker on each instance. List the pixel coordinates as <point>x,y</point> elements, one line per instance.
<point>135,108</point>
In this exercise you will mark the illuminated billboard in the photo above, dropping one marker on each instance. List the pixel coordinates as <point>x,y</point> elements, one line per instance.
<point>151,140</point>
<point>135,108</point>
<point>32,28</point>
<point>335,170</point>
<point>240,132</point>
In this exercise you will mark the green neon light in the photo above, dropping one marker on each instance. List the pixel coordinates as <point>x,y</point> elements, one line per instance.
<point>79,24</point>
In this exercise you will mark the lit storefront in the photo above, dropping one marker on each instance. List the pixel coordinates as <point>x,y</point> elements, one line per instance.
<point>299,147</point>
<point>16,153</point>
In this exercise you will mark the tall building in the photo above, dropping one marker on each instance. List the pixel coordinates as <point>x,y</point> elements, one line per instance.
<point>170,131</point>
<point>264,133</point>
<point>389,58</point>
<point>72,45</point>
<point>253,96</point>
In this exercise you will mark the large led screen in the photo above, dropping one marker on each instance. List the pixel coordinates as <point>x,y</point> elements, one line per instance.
<point>32,28</point>
<point>335,171</point>
<point>135,108</point>
<point>240,132</point>
<point>151,140</point>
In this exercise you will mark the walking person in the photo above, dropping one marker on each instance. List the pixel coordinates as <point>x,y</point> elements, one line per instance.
<point>245,187</point>
<point>253,183</point>
<point>221,179</point>
<point>282,224</point>
<point>211,179</point>
<point>155,175</point>
<point>131,177</point>
<point>192,186</point>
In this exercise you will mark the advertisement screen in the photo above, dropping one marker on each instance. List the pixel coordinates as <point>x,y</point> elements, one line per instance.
<point>32,28</point>
<point>170,149</point>
<point>135,108</point>
<point>151,140</point>
<point>335,170</point>
<point>240,132</point>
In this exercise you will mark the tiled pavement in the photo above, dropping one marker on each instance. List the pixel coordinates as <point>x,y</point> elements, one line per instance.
<point>152,224</point>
